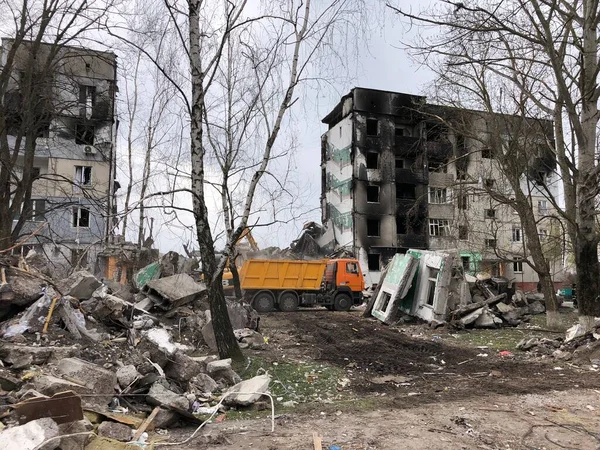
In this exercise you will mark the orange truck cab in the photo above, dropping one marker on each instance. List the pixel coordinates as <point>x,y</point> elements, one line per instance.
<point>287,284</point>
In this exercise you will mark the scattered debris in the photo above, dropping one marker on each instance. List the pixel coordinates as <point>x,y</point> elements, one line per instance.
<point>30,435</point>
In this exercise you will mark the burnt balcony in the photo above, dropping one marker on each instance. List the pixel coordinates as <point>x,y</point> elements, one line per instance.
<point>411,176</point>
<point>439,150</point>
<point>412,240</point>
<point>406,145</point>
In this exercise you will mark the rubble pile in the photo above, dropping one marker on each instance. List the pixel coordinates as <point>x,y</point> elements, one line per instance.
<point>488,303</point>
<point>578,347</point>
<point>92,364</point>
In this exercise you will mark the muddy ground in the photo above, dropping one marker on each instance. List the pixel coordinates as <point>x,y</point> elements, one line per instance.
<point>410,387</point>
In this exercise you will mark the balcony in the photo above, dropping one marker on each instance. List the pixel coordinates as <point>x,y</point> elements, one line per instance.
<point>407,145</point>
<point>440,150</point>
<point>411,176</point>
<point>412,240</point>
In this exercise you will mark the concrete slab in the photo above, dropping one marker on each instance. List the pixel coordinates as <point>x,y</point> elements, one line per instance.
<point>248,391</point>
<point>30,435</point>
<point>175,290</point>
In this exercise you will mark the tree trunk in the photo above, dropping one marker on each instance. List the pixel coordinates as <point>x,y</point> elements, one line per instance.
<point>236,280</point>
<point>227,344</point>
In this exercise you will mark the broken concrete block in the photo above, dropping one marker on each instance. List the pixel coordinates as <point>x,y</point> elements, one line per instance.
<point>127,375</point>
<point>75,442</point>
<point>527,344</point>
<point>226,377</point>
<point>202,384</point>
<point>248,391</point>
<point>115,430</point>
<point>23,356</point>
<point>254,339</point>
<point>26,289</point>
<point>161,338</point>
<point>464,293</point>
<point>216,366</point>
<point>30,435</point>
<point>472,317</point>
<point>537,307</point>
<point>514,316</point>
<point>519,299</point>
<point>103,443</point>
<point>485,320</point>
<point>209,336</point>
<point>175,290</point>
<point>50,385</point>
<point>161,396</point>
<point>165,418</point>
<point>80,285</point>
<point>574,331</point>
<point>181,367</point>
<point>101,381</point>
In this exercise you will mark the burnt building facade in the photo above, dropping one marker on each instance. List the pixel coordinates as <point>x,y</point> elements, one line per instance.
<point>396,176</point>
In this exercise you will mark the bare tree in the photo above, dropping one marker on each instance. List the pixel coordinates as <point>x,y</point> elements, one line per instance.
<point>534,57</point>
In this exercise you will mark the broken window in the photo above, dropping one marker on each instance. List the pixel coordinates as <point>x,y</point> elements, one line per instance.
<point>373,194</point>
<point>399,163</point>
<point>489,183</point>
<point>81,217</point>
<point>518,265</point>
<point>83,175</point>
<point>490,213</point>
<point>463,232</point>
<point>405,190</point>
<point>439,227</point>
<point>491,243</point>
<point>373,261</point>
<point>87,94</point>
<point>431,282</point>
<point>487,153</point>
<point>516,234</point>
<point>373,227</point>
<point>372,160</point>
<point>84,134</point>
<point>543,207</point>
<point>466,263</point>
<point>463,201</point>
<point>401,227</point>
<point>438,196</point>
<point>372,127</point>
<point>438,166</point>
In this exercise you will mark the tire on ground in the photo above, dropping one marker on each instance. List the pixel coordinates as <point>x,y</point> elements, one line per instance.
<point>288,301</point>
<point>342,302</point>
<point>263,301</point>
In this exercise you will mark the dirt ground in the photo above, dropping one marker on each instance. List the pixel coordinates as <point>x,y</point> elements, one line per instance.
<point>412,387</point>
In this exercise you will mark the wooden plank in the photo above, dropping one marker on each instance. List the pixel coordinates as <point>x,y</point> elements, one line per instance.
<point>317,441</point>
<point>146,422</point>
<point>63,407</point>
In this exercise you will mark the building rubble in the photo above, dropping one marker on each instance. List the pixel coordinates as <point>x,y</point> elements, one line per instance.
<point>107,362</point>
<point>431,285</point>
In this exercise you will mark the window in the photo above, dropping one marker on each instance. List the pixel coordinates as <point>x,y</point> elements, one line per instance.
<point>87,95</point>
<point>439,227</point>
<point>405,191</point>
<point>543,234</point>
<point>516,234</point>
<point>372,127</point>
<point>466,263</point>
<point>84,134</point>
<point>438,195</point>
<point>83,175</point>
<point>35,210</point>
<point>463,202</point>
<point>401,227</point>
<point>81,217</point>
<point>373,227</point>
<point>35,173</point>
<point>373,262</point>
<point>438,166</point>
<point>372,160</point>
<point>518,265</point>
<point>399,163</point>
<point>399,131</point>
<point>431,282</point>
<point>491,243</point>
<point>373,194</point>
<point>489,183</point>
<point>460,144</point>
<point>487,153</point>
<point>461,174</point>
<point>352,267</point>
<point>543,207</point>
<point>463,232</point>
<point>490,213</point>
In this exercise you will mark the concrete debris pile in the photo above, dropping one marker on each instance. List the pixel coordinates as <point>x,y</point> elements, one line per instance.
<point>429,285</point>
<point>487,302</point>
<point>577,346</point>
<point>79,359</point>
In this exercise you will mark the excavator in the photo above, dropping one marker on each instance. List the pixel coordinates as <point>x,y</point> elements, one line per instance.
<point>238,259</point>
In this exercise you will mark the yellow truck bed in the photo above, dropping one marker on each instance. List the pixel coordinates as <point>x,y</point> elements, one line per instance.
<point>280,274</point>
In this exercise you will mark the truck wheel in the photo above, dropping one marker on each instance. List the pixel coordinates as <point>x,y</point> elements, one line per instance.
<point>342,302</point>
<point>263,301</point>
<point>288,302</point>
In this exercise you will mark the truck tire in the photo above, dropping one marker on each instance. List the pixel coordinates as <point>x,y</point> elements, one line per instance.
<point>342,302</point>
<point>263,301</point>
<point>288,301</point>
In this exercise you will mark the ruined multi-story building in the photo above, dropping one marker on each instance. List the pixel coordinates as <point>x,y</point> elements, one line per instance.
<point>74,162</point>
<point>399,173</point>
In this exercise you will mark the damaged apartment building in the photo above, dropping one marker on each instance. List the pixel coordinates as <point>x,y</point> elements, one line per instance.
<point>399,174</point>
<point>74,162</point>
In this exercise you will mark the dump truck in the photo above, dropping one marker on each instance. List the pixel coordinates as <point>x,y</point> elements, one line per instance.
<point>334,283</point>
